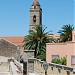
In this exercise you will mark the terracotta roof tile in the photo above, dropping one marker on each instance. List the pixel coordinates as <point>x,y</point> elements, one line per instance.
<point>54,36</point>
<point>18,40</point>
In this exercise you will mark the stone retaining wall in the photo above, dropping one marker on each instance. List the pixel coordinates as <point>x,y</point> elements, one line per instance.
<point>7,49</point>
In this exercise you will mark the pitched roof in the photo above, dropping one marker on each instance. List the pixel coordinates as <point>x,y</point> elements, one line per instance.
<point>18,40</point>
<point>54,36</point>
<point>6,41</point>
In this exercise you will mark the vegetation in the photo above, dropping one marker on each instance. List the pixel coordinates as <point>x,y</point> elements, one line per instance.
<point>62,61</point>
<point>66,33</point>
<point>36,40</point>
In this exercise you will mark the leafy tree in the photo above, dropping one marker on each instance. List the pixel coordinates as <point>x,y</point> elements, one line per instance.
<point>66,33</point>
<point>36,40</point>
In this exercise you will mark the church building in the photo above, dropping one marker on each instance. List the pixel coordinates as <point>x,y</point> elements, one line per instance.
<point>10,44</point>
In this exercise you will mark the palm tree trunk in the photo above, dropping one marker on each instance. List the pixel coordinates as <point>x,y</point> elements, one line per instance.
<point>35,54</point>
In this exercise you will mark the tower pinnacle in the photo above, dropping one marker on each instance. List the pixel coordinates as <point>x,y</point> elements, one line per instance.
<point>35,15</point>
<point>36,3</point>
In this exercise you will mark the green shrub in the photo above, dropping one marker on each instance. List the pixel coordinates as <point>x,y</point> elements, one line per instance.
<point>62,61</point>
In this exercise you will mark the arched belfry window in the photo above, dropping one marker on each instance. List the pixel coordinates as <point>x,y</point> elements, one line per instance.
<point>34,18</point>
<point>34,7</point>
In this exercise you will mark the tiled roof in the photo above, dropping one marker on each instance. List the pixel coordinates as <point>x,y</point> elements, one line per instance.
<point>35,3</point>
<point>54,36</point>
<point>18,40</point>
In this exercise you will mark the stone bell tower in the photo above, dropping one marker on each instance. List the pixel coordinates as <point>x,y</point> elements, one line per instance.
<point>35,15</point>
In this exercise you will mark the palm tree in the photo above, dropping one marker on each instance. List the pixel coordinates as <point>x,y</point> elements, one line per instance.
<point>36,40</point>
<point>66,33</point>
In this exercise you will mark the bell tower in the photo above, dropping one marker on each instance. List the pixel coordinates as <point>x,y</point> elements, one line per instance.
<point>35,14</point>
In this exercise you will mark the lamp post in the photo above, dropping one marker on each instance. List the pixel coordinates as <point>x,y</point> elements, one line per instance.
<point>45,66</point>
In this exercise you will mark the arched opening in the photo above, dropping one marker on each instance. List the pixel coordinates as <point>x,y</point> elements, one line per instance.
<point>34,18</point>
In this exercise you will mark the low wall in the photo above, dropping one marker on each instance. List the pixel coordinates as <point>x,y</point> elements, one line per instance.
<point>15,67</point>
<point>28,54</point>
<point>53,69</point>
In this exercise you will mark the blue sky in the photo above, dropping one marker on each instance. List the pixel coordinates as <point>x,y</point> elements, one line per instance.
<point>15,15</point>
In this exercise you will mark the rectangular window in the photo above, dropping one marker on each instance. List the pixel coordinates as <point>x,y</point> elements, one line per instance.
<point>55,56</point>
<point>73,60</point>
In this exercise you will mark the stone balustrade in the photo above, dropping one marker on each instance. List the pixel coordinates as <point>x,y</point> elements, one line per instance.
<point>53,69</point>
<point>15,67</point>
<point>18,64</point>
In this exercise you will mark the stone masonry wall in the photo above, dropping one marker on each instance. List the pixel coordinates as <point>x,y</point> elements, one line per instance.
<point>7,49</point>
<point>28,55</point>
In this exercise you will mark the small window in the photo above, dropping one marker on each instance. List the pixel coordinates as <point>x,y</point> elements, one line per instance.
<point>55,56</point>
<point>72,60</point>
<point>34,18</point>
